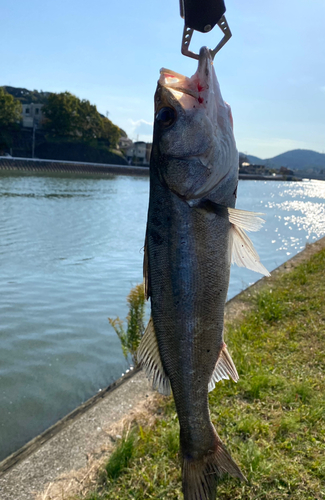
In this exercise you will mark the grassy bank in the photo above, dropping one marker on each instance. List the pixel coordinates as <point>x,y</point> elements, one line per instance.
<point>272,421</point>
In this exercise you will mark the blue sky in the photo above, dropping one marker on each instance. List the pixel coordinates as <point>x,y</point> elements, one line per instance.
<point>272,71</point>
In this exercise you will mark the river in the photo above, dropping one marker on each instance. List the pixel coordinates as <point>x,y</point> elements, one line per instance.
<point>71,248</point>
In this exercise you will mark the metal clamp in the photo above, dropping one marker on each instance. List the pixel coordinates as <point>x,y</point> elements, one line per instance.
<point>187,36</point>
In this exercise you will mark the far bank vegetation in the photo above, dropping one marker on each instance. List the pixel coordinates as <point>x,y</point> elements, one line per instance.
<point>70,129</point>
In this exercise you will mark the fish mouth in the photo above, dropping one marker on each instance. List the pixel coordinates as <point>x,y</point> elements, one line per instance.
<point>173,81</point>
<point>205,60</point>
<point>197,86</point>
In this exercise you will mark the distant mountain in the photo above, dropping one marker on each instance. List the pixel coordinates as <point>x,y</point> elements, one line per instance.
<point>300,159</point>
<point>297,159</point>
<point>255,160</point>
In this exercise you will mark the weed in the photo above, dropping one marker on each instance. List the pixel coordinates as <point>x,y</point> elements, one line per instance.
<point>130,339</point>
<point>121,457</point>
<point>288,424</point>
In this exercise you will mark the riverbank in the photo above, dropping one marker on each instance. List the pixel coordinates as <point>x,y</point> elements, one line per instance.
<point>21,165</point>
<point>68,461</point>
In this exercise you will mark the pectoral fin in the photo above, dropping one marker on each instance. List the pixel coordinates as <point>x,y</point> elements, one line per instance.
<point>242,249</point>
<point>251,221</point>
<point>149,358</point>
<point>224,367</point>
<point>243,252</point>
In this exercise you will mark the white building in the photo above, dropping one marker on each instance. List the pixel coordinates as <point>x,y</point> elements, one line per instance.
<point>139,153</point>
<point>32,115</point>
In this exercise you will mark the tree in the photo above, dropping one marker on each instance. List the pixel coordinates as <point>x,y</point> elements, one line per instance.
<point>10,109</point>
<point>89,121</point>
<point>110,132</point>
<point>68,116</point>
<point>123,133</point>
<point>61,114</point>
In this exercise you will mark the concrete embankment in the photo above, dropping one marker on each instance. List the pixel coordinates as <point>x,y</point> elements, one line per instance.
<point>21,165</point>
<point>52,462</point>
<point>68,167</point>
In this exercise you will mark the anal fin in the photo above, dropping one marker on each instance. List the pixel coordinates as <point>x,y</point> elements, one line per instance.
<point>149,358</point>
<point>224,367</point>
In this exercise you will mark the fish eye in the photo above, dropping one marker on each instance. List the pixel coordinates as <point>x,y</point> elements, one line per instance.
<point>166,117</point>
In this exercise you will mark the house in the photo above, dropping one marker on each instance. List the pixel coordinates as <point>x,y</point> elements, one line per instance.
<point>32,115</point>
<point>139,153</point>
<point>124,143</point>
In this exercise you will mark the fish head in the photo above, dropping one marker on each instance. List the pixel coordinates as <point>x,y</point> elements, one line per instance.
<point>193,145</point>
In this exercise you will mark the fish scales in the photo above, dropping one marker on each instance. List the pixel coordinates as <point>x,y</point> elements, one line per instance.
<point>188,296</point>
<point>192,231</point>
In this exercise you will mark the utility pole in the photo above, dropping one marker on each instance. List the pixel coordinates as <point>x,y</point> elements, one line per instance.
<point>34,127</point>
<point>33,143</point>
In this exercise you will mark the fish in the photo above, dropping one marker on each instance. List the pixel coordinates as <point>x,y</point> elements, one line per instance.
<point>193,234</point>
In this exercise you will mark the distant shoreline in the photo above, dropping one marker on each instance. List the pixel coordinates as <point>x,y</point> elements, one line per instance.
<point>78,167</point>
<point>257,177</point>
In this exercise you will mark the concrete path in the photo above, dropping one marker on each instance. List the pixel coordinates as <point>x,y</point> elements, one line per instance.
<point>78,440</point>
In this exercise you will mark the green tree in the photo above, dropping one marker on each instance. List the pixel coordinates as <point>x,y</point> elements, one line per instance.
<point>10,109</point>
<point>110,133</point>
<point>68,116</point>
<point>89,121</point>
<point>61,115</point>
<point>123,133</point>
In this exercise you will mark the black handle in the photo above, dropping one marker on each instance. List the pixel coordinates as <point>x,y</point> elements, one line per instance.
<point>202,15</point>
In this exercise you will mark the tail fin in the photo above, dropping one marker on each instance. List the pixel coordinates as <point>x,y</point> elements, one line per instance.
<point>200,476</point>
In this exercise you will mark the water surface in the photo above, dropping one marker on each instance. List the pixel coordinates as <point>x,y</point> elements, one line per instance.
<point>71,248</point>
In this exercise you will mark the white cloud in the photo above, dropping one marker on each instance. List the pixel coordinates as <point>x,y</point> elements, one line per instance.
<point>141,129</point>
<point>323,88</point>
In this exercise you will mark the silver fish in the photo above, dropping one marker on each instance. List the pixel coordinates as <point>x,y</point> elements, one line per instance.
<point>193,233</point>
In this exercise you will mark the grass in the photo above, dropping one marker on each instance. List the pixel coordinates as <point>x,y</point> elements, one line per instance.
<point>272,421</point>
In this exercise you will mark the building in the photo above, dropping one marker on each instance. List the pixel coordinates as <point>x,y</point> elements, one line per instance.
<point>32,115</point>
<point>124,143</point>
<point>139,153</point>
